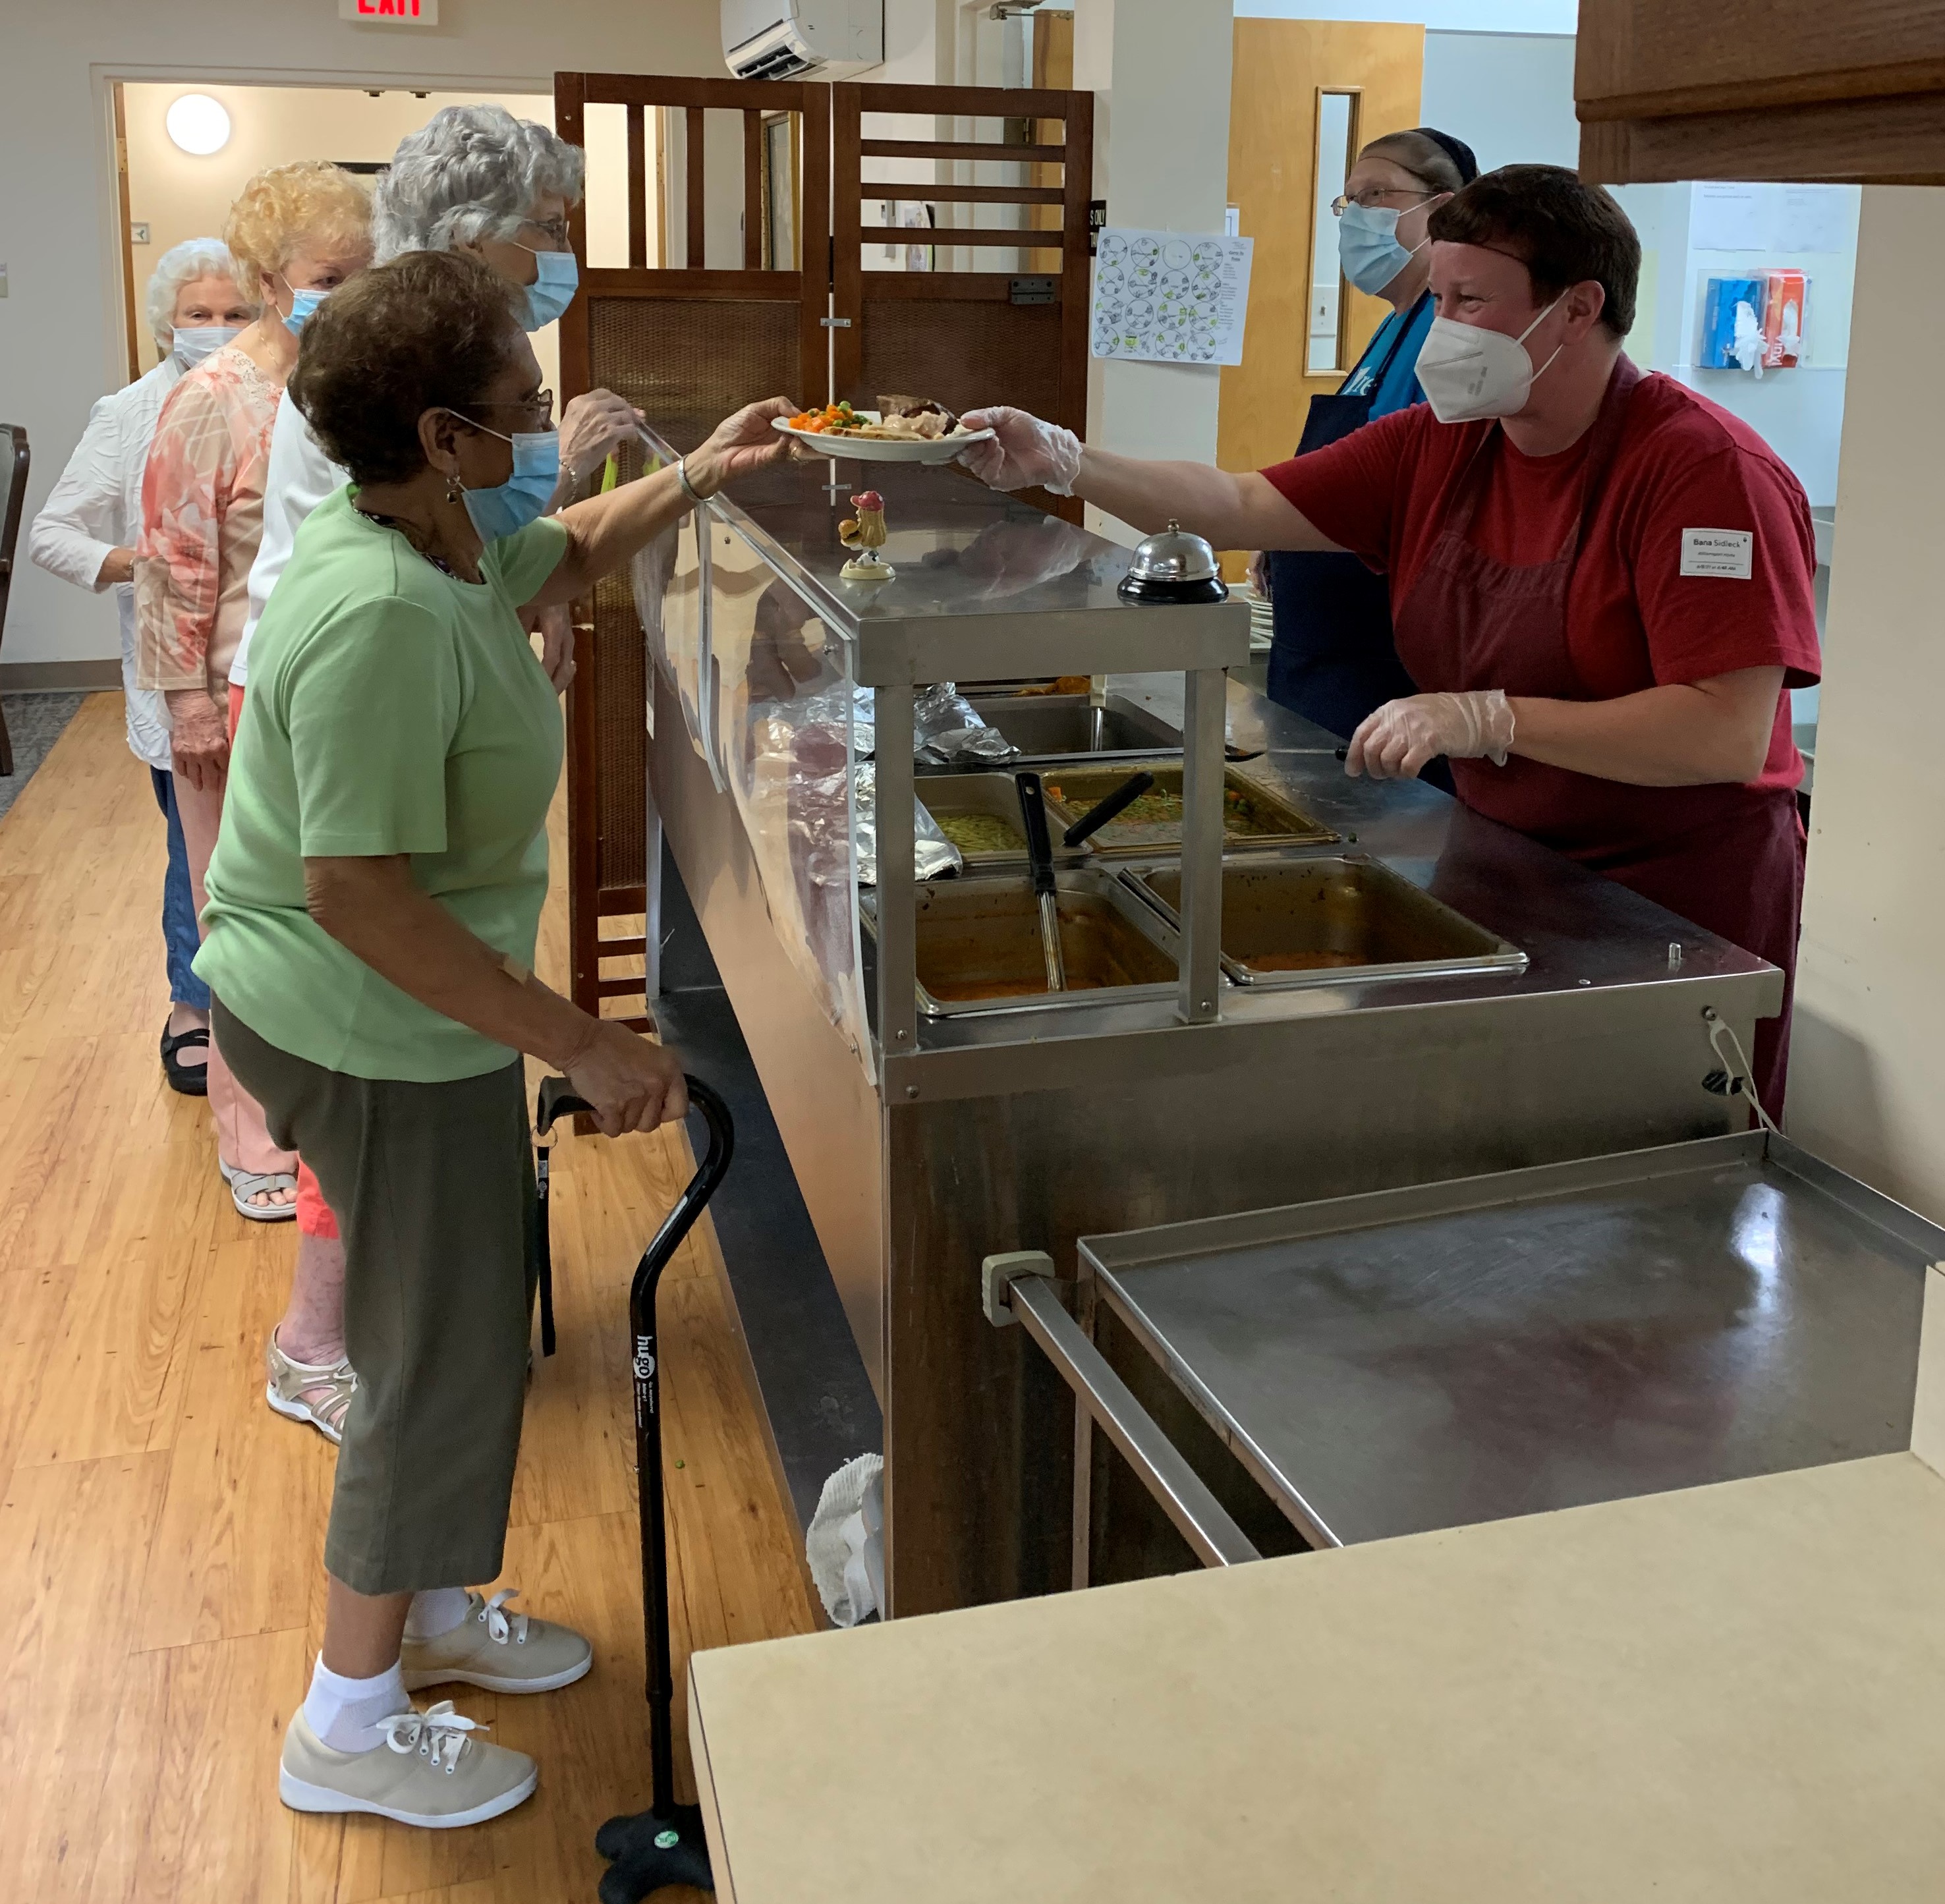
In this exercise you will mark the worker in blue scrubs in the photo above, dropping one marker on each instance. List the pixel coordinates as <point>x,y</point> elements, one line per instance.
<point>1332,659</point>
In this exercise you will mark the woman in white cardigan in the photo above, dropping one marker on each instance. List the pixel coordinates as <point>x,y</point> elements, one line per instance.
<point>86,535</point>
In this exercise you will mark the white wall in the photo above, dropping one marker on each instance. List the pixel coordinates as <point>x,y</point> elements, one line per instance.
<point>60,341</point>
<point>1558,17</point>
<point>1159,70</point>
<point>1509,96</point>
<point>1867,1064</point>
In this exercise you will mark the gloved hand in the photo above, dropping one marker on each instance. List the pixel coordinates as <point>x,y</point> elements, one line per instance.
<point>1394,743</point>
<point>1021,451</point>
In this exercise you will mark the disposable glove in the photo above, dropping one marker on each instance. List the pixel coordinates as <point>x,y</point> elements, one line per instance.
<point>1395,743</point>
<point>1022,452</point>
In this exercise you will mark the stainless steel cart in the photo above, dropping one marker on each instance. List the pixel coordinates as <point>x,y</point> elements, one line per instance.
<point>1504,1345</point>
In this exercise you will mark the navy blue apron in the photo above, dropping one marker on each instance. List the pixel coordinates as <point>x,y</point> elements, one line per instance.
<point>1332,657</point>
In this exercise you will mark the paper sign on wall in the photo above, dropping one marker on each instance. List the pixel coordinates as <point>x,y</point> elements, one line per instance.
<point>1170,297</point>
<point>391,13</point>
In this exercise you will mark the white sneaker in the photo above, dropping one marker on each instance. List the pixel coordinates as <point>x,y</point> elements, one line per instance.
<point>497,1651</point>
<point>429,1772</point>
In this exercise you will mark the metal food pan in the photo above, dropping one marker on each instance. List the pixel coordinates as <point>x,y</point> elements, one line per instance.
<point>1055,726</point>
<point>996,796</point>
<point>1291,924</point>
<point>1072,790</point>
<point>978,949</point>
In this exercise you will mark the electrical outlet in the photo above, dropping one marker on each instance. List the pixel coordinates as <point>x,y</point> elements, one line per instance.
<point>138,234</point>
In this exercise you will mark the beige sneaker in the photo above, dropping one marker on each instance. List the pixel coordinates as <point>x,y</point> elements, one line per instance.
<point>429,1772</point>
<point>497,1651</point>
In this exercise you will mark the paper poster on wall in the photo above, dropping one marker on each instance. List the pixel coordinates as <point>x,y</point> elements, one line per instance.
<point>1815,217</point>
<point>1733,218</point>
<point>1170,297</point>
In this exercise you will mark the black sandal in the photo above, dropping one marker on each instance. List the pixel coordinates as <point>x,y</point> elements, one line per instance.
<point>192,1080</point>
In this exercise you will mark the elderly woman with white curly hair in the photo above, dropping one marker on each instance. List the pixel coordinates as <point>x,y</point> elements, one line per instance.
<point>86,535</point>
<point>473,179</point>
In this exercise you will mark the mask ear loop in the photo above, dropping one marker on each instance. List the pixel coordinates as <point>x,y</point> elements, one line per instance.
<point>1521,340</point>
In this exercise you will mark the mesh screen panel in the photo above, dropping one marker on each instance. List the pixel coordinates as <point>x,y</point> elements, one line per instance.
<point>686,362</point>
<point>961,353</point>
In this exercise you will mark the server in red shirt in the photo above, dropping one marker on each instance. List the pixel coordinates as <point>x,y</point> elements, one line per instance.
<point>1600,581</point>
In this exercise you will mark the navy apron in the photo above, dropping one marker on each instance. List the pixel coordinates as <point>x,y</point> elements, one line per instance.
<point>1332,657</point>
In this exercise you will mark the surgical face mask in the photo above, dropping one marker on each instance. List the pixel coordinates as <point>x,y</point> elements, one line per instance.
<point>1368,247</point>
<point>552,291</point>
<point>202,341</point>
<point>303,303</point>
<point>1467,372</point>
<point>509,507</point>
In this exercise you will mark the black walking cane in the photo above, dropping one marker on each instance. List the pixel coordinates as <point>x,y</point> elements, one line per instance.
<point>663,1845</point>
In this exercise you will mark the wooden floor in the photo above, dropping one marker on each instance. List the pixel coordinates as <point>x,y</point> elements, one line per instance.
<point>161,1530</point>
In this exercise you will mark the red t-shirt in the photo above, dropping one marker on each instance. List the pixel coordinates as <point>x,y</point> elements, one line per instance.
<point>1634,620</point>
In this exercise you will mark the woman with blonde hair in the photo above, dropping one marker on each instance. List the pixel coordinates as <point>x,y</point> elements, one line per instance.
<point>296,231</point>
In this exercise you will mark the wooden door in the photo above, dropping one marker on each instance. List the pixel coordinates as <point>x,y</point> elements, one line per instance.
<point>687,345</point>
<point>1282,70</point>
<point>1017,335</point>
<point>1742,89</point>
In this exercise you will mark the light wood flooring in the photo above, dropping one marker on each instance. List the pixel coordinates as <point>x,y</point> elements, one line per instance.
<point>161,1530</point>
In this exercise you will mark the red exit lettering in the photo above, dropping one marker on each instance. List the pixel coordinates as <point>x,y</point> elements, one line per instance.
<point>390,9</point>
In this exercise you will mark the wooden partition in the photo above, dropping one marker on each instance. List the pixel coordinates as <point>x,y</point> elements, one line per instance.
<point>1016,336</point>
<point>687,345</point>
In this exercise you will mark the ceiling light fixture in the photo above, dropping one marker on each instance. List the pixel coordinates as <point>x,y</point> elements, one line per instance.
<point>198,125</point>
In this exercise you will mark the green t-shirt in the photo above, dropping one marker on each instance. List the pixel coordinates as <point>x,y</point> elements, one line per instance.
<point>391,709</point>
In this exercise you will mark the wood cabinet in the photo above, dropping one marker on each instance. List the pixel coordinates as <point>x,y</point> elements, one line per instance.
<point>1740,89</point>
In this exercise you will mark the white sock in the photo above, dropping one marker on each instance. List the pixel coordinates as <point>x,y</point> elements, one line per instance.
<point>436,1610</point>
<point>345,1713</point>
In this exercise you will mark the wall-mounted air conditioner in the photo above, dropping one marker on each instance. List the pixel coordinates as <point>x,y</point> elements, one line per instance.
<point>779,39</point>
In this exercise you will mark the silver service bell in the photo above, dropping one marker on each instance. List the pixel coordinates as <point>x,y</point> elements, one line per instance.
<point>1173,566</point>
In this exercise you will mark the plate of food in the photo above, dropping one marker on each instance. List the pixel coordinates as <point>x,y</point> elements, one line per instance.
<point>901,429</point>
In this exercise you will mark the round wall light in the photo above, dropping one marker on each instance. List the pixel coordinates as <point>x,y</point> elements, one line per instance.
<point>198,125</point>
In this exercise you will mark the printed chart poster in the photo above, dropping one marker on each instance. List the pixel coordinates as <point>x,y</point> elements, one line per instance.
<point>1170,297</point>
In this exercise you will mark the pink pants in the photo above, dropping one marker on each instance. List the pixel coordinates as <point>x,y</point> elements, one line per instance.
<point>241,1140</point>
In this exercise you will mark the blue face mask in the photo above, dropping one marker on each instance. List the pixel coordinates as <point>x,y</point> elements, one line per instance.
<point>552,291</point>
<point>201,341</point>
<point>1368,248</point>
<point>303,303</point>
<point>509,507</point>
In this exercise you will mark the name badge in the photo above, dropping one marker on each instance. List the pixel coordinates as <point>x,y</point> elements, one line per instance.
<point>1729,553</point>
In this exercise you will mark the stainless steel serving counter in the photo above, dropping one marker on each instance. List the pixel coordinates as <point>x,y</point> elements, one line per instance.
<point>974,1135</point>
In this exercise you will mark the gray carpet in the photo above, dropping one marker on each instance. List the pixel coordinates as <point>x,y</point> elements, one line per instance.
<point>35,721</point>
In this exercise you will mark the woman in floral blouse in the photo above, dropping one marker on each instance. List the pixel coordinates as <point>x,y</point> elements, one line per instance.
<point>296,231</point>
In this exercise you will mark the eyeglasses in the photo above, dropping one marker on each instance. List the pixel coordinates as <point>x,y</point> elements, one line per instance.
<point>540,406</point>
<point>1374,195</point>
<point>555,229</point>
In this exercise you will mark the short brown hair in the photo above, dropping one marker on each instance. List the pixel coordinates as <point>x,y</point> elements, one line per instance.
<point>429,331</point>
<point>1564,232</point>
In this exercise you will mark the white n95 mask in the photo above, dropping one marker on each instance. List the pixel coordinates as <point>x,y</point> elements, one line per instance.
<point>1467,372</point>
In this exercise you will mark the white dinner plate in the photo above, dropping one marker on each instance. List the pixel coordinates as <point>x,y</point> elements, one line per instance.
<point>882,449</point>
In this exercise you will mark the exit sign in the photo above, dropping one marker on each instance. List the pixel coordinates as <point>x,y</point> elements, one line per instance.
<point>398,12</point>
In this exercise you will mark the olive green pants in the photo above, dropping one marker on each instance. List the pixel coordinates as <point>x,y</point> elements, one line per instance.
<point>433,1187</point>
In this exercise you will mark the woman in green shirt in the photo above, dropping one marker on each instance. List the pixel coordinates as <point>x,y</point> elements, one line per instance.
<point>373,902</point>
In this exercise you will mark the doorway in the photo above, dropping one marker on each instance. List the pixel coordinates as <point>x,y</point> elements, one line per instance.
<point>171,193</point>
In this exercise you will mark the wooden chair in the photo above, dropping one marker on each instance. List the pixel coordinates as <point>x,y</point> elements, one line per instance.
<point>14,461</point>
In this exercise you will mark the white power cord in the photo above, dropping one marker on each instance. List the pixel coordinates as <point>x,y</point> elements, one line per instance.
<point>1736,1072</point>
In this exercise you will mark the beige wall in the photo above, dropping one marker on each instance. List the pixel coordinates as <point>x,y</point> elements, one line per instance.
<point>1867,1065</point>
<point>61,334</point>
